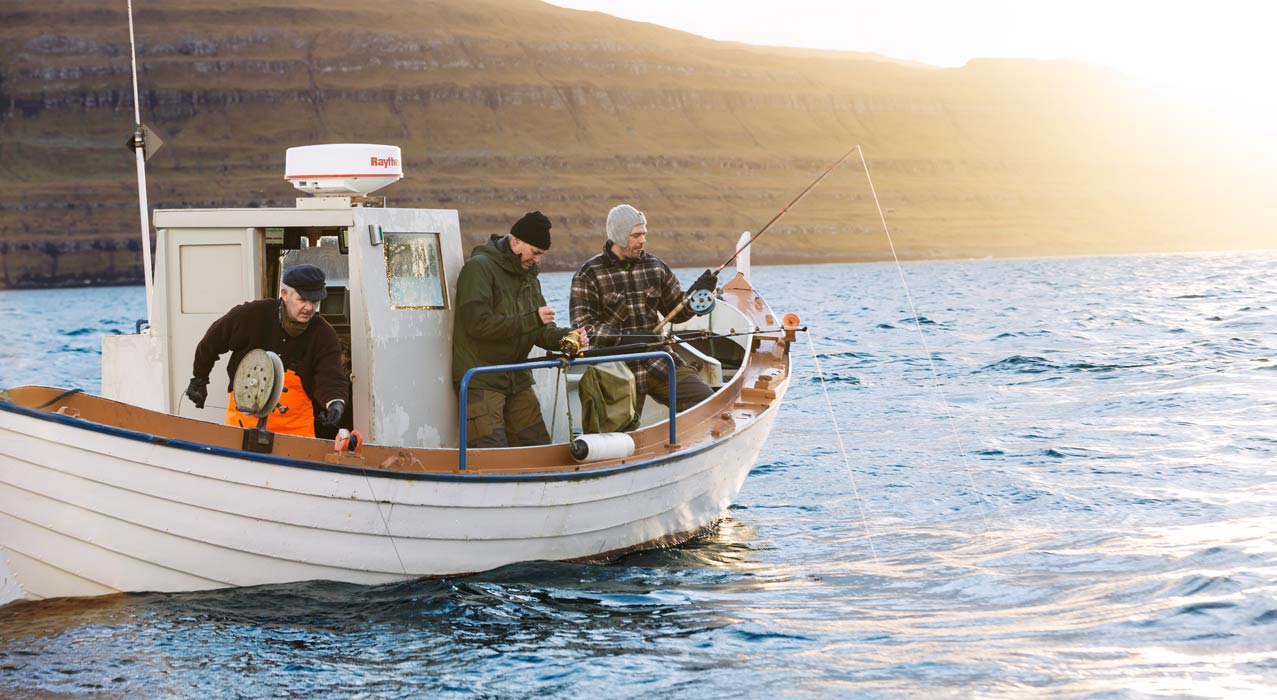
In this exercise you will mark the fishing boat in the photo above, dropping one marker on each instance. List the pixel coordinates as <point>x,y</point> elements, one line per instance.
<point>139,490</point>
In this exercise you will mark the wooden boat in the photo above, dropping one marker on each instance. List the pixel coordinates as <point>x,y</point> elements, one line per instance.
<point>136,490</point>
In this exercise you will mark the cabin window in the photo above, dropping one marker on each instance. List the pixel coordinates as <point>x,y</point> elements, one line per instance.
<point>414,270</point>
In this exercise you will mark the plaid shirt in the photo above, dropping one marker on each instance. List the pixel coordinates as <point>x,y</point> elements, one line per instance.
<point>612,297</point>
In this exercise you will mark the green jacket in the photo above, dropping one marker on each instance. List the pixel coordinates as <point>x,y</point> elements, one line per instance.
<point>497,322</point>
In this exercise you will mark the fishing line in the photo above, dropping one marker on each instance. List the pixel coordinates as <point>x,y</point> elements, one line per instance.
<point>756,236</point>
<point>340,447</point>
<point>935,376</point>
<point>384,523</point>
<point>559,381</point>
<point>567,404</point>
<point>846,463</point>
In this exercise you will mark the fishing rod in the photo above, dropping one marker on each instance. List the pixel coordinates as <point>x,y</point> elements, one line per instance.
<point>656,344</point>
<point>755,237</point>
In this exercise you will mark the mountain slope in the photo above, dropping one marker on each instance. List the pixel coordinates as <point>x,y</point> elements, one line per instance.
<point>506,106</point>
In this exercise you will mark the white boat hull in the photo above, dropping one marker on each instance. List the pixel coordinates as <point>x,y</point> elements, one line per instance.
<point>87,510</point>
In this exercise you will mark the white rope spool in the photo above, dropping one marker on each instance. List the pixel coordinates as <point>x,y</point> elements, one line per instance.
<point>599,447</point>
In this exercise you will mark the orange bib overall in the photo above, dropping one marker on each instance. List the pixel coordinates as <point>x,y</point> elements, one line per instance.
<point>299,419</point>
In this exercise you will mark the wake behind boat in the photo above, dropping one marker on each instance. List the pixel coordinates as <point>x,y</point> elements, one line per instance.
<point>137,490</point>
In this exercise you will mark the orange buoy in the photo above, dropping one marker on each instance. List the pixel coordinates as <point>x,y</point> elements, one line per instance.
<point>790,323</point>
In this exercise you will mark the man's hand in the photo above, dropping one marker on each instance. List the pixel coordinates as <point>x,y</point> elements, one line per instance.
<point>197,391</point>
<point>331,415</point>
<point>707,281</point>
<point>546,314</point>
<point>582,337</point>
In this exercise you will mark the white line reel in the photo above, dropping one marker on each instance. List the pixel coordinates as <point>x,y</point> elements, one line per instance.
<point>701,302</point>
<point>259,380</point>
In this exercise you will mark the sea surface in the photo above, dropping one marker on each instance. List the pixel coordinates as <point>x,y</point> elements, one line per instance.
<point>1076,497</point>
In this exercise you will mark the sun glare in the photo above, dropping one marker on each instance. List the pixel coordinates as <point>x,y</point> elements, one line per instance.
<point>1219,56</point>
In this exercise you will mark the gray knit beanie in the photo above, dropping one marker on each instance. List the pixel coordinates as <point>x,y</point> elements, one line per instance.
<point>620,221</point>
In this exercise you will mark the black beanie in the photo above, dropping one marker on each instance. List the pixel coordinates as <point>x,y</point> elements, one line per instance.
<point>533,229</point>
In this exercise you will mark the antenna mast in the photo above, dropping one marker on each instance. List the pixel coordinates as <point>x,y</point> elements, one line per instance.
<point>139,152</point>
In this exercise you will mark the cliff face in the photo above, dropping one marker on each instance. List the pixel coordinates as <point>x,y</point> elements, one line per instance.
<point>501,107</point>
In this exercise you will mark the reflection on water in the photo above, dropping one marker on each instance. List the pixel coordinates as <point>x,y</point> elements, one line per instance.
<point>432,633</point>
<point>1106,530</point>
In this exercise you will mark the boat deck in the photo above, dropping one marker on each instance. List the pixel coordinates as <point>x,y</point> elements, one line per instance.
<point>753,389</point>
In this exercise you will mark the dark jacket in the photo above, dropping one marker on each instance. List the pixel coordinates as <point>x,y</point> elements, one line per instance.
<point>497,322</point>
<point>315,355</point>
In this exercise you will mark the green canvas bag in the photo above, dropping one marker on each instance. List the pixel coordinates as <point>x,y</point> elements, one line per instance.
<point>607,399</point>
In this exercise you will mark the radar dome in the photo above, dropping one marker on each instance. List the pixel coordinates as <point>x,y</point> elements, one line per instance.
<point>345,169</point>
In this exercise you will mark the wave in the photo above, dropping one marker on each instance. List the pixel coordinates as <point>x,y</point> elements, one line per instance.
<point>835,378</point>
<point>1024,364</point>
<point>848,353</point>
<point>1033,364</point>
<point>1021,334</point>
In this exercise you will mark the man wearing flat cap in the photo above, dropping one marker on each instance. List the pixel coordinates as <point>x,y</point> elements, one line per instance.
<point>315,388</point>
<point>501,314</point>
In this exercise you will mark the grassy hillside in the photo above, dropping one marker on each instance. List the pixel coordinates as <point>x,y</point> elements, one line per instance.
<point>505,106</point>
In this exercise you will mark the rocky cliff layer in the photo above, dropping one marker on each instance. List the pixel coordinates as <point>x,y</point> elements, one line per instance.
<point>506,106</point>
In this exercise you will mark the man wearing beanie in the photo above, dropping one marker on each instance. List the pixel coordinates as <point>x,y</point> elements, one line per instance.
<point>501,314</point>
<point>621,294</point>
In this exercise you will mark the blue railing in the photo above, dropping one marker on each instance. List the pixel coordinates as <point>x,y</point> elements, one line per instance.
<point>491,369</point>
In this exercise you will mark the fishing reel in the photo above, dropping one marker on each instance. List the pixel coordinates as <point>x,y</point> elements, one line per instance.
<point>570,345</point>
<point>259,380</point>
<point>701,301</point>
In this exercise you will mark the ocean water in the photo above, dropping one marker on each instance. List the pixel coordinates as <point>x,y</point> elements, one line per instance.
<point>1075,498</point>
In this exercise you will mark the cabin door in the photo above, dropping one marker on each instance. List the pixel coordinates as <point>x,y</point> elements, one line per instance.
<point>213,270</point>
<point>404,266</point>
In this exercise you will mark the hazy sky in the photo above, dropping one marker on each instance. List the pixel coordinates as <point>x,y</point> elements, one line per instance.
<point>1220,53</point>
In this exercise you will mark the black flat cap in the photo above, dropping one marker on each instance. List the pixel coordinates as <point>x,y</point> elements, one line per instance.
<point>308,280</point>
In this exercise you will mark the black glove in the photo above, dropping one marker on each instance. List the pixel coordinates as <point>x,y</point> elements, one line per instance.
<point>332,415</point>
<point>197,391</point>
<point>707,281</point>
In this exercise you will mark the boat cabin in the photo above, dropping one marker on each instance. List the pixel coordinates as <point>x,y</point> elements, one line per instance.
<point>391,276</point>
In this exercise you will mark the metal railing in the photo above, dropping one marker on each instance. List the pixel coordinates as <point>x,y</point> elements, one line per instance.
<point>492,369</point>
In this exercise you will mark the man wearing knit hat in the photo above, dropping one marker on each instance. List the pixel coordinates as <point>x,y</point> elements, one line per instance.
<point>501,314</point>
<point>622,293</point>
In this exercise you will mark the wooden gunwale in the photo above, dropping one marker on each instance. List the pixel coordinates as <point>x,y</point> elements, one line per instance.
<point>746,397</point>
